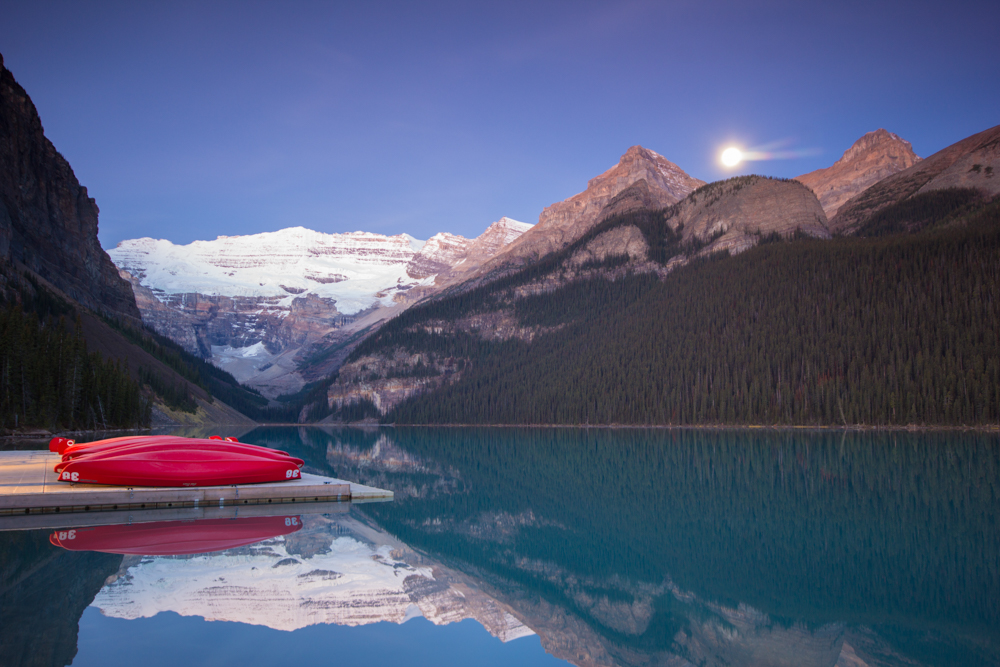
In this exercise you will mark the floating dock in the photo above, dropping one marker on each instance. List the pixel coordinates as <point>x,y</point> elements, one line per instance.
<point>29,488</point>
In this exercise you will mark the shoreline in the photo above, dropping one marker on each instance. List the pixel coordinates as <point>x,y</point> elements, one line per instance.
<point>41,434</point>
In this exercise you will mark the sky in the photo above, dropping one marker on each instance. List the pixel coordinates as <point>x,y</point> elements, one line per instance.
<point>190,120</point>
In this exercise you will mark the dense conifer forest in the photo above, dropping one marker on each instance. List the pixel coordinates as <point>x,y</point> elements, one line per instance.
<point>897,329</point>
<point>47,376</point>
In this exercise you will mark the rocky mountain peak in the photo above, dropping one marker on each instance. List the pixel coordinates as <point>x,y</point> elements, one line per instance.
<point>451,258</point>
<point>970,163</point>
<point>641,163</point>
<point>870,159</point>
<point>500,233</point>
<point>562,223</point>
<point>883,141</point>
<point>735,214</point>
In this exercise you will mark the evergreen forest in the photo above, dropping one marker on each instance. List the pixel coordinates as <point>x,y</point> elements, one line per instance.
<point>900,328</point>
<point>48,378</point>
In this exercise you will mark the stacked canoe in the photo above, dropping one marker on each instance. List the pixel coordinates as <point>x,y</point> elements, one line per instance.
<point>173,461</point>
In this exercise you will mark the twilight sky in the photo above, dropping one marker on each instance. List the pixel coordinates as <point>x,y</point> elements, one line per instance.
<point>190,120</point>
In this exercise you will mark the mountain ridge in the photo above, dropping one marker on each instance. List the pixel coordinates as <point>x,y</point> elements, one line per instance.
<point>969,163</point>
<point>563,222</point>
<point>873,157</point>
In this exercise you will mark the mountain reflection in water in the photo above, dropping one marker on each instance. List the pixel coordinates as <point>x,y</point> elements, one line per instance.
<point>639,547</point>
<point>617,547</point>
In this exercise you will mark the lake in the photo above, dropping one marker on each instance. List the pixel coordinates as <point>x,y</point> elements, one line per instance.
<point>519,546</point>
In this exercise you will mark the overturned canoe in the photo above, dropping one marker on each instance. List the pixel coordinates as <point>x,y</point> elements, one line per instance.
<point>70,448</point>
<point>173,538</point>
<point>135,447</point>
<point>178,466</point>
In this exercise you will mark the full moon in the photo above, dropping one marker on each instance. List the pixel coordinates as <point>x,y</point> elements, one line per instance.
<point>731,156</point>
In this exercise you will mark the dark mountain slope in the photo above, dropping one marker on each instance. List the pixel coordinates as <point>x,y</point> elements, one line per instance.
<point>47,220</point>
<point>897,330</point>
<point>74,345</point>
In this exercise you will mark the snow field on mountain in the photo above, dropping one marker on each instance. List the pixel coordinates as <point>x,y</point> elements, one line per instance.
<point>350,268</point>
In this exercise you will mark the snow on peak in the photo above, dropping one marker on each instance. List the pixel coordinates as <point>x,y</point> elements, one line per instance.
<point>351,267</point>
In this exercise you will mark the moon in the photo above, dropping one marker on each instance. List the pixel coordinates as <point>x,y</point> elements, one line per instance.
<point>732,156</point>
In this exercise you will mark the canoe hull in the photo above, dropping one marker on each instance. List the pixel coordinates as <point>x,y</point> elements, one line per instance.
<point>179,468</point>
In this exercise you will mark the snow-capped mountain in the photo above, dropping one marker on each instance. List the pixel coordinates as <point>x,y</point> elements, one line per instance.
<point>350,268</point>
<point>335,571</point>
<point>252,303</point>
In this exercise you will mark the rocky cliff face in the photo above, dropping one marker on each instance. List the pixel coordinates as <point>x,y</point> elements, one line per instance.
<point>970,163</point>
<point>875,156</point>
<point>441,252</point>
<point>736,213</point>
<point>450,258</point>
<point>498,236</point>
<point>564,222</point>
<point>47,221</point>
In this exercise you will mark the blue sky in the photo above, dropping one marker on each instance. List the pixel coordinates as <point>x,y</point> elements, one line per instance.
<point>190,120</point>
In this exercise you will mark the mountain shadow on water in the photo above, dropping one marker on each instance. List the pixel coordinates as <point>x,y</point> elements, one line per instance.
<point>43,592</point>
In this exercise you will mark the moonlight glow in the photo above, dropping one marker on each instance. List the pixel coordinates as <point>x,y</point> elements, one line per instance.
<point>731,156</point>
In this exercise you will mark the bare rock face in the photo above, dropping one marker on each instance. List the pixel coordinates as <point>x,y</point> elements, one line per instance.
<point>736,213</point>
<point>626,240</point>
<point>873,157</point>
<point>498,236</point>
<point>440,253</point>
<point>970,163</point>
<point>562,223</point>
<point>199,322</point>
<point>47,221</point>
<point>450,257</point>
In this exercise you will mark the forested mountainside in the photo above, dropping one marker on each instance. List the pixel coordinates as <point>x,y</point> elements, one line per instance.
<point>74,351</point>
<point>894,329</point>
<point>49,378</point>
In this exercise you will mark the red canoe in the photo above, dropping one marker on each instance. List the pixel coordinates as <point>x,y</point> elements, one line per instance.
<point>172,538</point>
<point>61,445</point>
<point>118,449</point>
<point>70,449</point>
<point>184,466</point>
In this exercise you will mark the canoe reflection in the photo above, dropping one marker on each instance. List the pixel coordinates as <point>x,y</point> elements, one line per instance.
<point>175,538</point>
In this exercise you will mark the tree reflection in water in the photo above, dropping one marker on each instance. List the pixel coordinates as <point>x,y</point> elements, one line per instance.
<point>718,547</point>
<point>648,547</point>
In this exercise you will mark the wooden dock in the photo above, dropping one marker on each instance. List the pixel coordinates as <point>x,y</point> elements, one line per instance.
<point>29,488</point>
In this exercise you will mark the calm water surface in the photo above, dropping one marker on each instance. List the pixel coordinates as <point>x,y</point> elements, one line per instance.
<point>560,546</point>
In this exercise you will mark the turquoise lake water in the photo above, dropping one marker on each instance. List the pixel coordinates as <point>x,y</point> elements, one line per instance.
<point>561,546</point>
